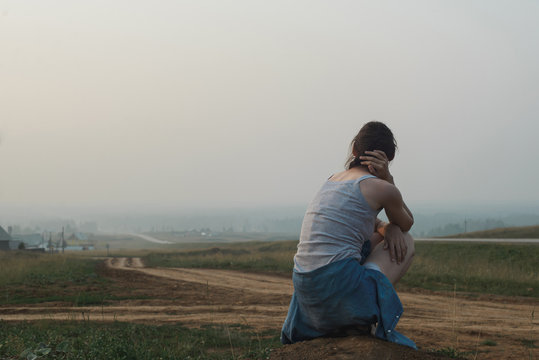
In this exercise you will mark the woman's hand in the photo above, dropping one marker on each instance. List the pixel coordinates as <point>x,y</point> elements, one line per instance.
<point>394,241</point>
<point>378,164</point>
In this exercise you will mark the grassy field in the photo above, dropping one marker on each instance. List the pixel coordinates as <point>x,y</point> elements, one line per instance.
<point>27,277</point>
<point>93,340</point>
<point>521,232</point>
<point>42,269</point>
<point>178,240</point>
<point>31,278</point>
<point>276,257</point>
<point>503,269</point>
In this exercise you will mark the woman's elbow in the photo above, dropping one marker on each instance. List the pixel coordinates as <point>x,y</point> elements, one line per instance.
<point>407,226</point>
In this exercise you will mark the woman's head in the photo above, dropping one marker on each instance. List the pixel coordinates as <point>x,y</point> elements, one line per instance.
<point>372,136</point>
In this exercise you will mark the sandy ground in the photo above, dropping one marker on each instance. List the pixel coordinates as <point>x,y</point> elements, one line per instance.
<point>201,296</point>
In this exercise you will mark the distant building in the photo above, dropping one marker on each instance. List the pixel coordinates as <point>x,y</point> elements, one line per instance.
<point>6,241</point>
<point>79,241</point>
<point>31,241</point>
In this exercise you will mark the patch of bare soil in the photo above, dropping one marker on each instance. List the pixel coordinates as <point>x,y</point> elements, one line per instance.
<point>351,347</point>
<point>484,327</point>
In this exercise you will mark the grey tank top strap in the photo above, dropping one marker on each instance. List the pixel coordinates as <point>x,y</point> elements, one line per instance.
<point>358,180</point>
<point>365,177</point>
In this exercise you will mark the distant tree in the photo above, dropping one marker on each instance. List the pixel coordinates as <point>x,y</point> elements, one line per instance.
<point>22,246</point>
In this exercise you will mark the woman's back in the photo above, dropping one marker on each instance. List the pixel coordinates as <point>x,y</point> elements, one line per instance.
<point>337,223</point>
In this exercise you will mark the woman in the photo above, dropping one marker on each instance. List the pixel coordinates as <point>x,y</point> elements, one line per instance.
<point>348,260</point>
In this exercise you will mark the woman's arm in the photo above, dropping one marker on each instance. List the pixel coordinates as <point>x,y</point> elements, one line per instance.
<point>396,210</point>
<point>400,222</point>
<point>406,208</point>
<point>398,213</point>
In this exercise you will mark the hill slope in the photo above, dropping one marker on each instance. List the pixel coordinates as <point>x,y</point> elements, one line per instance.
<point>520,232</point>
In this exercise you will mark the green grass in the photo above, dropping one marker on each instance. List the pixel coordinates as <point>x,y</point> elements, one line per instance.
<point>520,232</point>
<point>503,269</point>
<point>39,269</point>
<point>117,340</point>
<point>529,343</point>
<point>451,353</point>
<point>29,278</point>
<point>489,343</point>
<point>276,257</point>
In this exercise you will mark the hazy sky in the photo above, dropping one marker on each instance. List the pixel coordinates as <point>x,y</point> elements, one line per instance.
<point>245,102</point>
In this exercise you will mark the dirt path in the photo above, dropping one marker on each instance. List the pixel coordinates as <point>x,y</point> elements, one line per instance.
<point>256,283</point>
<point>488,328</point>
<point>267,317</point>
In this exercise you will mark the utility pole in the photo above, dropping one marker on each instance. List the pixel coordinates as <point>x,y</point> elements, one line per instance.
<point>465,225</point>
<point>50,243</point>
<point>63,241</point>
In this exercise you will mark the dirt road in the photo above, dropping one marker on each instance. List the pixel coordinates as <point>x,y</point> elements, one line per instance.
<point>150,239</point>
<point>487,327</point>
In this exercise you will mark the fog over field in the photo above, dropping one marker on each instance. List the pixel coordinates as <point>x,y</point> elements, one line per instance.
<point>123,111</point>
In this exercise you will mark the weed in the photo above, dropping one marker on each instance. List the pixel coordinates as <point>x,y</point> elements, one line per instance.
<point>529,343</point>
<point>489,343</point>
<point>451,352</point>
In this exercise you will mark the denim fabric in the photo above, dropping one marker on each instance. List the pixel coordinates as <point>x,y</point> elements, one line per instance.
<point>342,294</point>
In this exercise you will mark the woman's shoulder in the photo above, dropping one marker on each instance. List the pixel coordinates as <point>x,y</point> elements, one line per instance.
<point>377,191</point>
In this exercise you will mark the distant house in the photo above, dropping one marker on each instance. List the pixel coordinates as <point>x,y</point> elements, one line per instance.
<point>79,241</point>
<point>5,238</point>
<point>31,241</point>
<point>6,241</point>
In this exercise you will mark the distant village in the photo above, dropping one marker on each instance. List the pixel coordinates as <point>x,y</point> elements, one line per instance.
<point>52,242</point>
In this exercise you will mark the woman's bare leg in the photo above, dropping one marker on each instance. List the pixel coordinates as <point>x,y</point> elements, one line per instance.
<point>393,271</point>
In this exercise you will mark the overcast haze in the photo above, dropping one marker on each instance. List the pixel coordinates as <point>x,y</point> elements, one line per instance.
<point>253,103</point>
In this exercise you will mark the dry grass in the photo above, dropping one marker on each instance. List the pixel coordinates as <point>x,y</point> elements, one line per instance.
<point>520,232</point>
<point>20,266</point>
<point>505,269</point>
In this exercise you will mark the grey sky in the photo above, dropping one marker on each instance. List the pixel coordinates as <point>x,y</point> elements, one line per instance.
<point>218,103</point>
